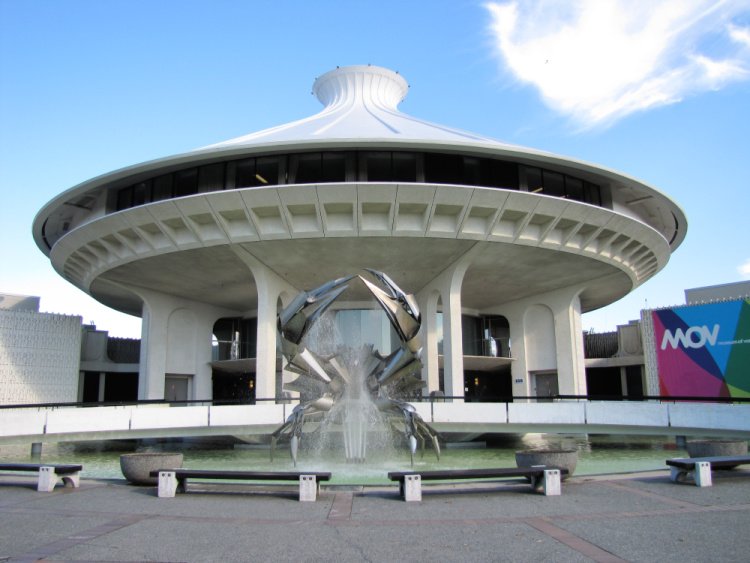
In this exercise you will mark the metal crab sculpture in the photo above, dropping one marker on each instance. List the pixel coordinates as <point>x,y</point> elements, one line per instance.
<point>384,377</point>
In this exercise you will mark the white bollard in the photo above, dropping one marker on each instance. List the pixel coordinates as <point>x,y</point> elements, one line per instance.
<point>552,482</point>
<point>702,474</point>
<point>167,484</point>
<point>412,488</point>
<point>308,488</point>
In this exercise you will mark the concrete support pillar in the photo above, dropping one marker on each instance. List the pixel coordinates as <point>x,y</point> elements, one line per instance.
<point>453,350</point>
<point>564,310</point>
<point>448,287</point>
<point>271,288</point>
<point>102,384</point>
<point>571,365</point>
<point>176,339</point>
<point>153,355</point>
<point>427,302</point>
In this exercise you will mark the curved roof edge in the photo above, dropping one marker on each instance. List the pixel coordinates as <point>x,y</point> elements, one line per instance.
<point>360,111</point>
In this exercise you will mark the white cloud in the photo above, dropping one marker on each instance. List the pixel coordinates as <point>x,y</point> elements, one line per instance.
<point>600,60</point>
<point>744,269</point>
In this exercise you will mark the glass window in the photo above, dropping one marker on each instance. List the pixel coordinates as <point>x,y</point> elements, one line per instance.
<point>554,183</point>
<point>534,179</point>
<point>124,198</point>
<point>473,171</point>
<point>500,174</point>
<point>141,193</point>
<point>245,173</point>
<point>305,168</point>
<point>162,188</point>
<point>267,170</point>
<point>404,167</point>
<point>592,194</point>
<point>574,188</point>
<point>186,182</point>
<point>211,177</point>
<point>443,168</point>
<point>333,167</point>
<point>376,167</point>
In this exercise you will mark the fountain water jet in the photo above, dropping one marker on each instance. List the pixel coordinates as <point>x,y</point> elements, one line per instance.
<point>352,388</point>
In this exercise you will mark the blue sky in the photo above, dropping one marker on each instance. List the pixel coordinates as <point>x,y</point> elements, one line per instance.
<point>657,89</point>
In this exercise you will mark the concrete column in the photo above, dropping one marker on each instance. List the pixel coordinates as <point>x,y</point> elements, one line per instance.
<point>448,286</point>
<point>571,365</point>
<point>427,301</point>
<point>518,368</point>
<point>271,287</point>
<point>453,349</point>
<point>153,355</point>
<point>102,384</point>
<point>176,339</point>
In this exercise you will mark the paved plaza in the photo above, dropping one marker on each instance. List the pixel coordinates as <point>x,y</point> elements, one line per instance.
<point>638,517</point>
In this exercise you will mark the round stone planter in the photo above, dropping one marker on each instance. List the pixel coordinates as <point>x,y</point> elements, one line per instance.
<point>564,459</point>
<point>711,448</point>
<point>136,467</point>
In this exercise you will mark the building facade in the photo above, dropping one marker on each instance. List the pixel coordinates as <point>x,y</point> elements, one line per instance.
<point>504,247</point>
<point>39,353</point>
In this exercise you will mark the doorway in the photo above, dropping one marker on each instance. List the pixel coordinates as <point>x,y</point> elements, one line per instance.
<point>176,388</point>
<point>545,386</point>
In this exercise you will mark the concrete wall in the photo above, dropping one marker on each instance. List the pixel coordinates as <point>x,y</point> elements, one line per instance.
<point>39,357</point>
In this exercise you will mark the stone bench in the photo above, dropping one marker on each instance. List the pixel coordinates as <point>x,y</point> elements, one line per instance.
<point>700,467</point>
<point>172,481</point>
<point>545,479</point>
<point>49,474</point>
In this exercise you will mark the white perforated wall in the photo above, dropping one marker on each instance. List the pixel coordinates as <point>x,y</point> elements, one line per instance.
<point>39,357</point>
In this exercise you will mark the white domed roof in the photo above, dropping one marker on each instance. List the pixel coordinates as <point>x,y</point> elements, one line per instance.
<point>360,102</point>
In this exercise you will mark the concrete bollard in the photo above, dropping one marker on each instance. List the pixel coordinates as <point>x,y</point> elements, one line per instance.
<point>702,474</point>
<point>308,488</point>
<point>412,488</point>
<point>551,483</point>
<point>167,484</point>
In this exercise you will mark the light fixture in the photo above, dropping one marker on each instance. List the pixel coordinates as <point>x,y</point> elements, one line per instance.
<point>261,179</point>
<point>537,190</point>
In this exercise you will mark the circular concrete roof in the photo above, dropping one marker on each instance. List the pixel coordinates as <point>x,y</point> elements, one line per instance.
<point>530,243</point>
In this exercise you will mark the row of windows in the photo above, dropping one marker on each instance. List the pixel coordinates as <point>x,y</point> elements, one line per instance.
<point>539,180</point>
<point>353,166</point>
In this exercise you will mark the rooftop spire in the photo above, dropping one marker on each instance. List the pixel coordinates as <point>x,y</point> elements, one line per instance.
<point>361,84</point>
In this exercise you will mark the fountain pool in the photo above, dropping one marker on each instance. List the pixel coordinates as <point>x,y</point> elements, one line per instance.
<point>597,455</point>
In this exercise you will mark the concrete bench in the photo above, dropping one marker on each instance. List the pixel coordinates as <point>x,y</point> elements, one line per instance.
<point>172,481</point>
<point>545,479</point>
<point>700,467</point>
<point>49,474</point>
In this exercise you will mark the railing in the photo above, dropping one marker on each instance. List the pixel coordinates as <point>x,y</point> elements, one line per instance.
<point>431,399</point>
<point>231,350</point>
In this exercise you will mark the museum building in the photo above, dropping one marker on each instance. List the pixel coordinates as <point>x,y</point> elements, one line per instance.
<point>504,247</point>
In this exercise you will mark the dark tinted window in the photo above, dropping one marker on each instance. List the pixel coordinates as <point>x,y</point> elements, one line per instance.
<point>443,168</point>
<point>305,168</point>
<point>267,170</point>
<point>211,177</point>
<point>186,182</point>
<point>141,193</point>
<point>534,180</point>
<point>162,188</point>
<point>376,167</point>
<point>333,167</point>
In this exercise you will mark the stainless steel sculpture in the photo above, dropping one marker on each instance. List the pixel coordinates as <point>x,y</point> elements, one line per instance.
<point>371,378</point>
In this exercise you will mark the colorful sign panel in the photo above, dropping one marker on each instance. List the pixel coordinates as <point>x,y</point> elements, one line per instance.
<point>704,350</point>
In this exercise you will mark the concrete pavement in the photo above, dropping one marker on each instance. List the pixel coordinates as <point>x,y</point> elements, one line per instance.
<point>638,517</point>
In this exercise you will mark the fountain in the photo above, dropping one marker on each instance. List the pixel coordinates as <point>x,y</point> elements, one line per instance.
<point>355,389</point>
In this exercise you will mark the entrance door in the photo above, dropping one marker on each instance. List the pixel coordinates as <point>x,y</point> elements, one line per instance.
<point>546,385</point>
<point>176,387</point>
